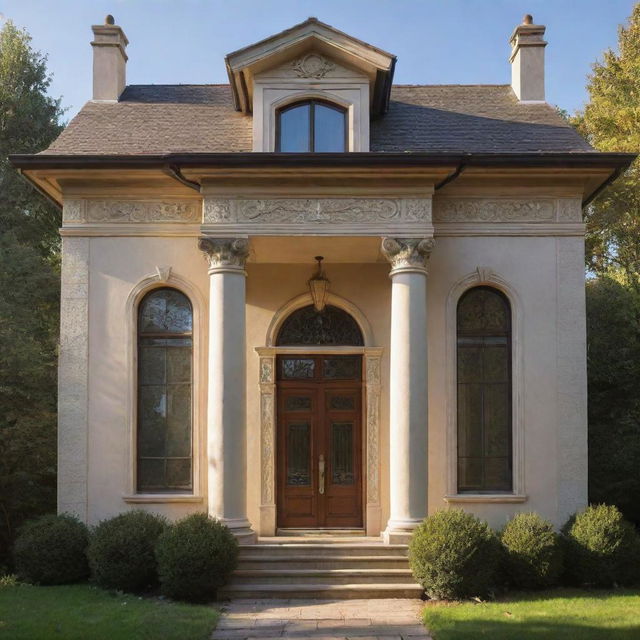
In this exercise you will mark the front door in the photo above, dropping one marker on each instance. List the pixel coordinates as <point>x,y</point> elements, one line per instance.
<point>319,441</point>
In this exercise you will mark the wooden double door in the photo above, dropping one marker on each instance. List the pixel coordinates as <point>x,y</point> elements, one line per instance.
<point>319,456</point>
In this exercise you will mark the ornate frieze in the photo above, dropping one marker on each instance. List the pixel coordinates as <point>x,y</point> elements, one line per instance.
<point>320,211</point>
<point>494,210</point>
<point>407,254</point>
<point>118,211</point>
<point>569,210</point>
<point>225,253</point>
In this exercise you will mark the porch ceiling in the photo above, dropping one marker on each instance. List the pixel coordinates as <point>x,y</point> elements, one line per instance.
<point>302,249</point>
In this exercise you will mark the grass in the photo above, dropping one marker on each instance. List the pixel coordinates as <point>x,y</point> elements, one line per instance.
<point>547,615</point>
<point>80,611</point>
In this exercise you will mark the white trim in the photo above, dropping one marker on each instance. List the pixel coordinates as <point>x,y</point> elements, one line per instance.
<point>160,498</point>
<point>304,300</point>
<point>485,276</point>
<point>198,305</point>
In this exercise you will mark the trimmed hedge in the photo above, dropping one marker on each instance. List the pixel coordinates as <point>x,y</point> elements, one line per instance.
<point>533,552</point>
<point>195,557</point>
<point>52,550</point>
<point>122,551</point>
<point>454,555</point>
<point>602,548</point>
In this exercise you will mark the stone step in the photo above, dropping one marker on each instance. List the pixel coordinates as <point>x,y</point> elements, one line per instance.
<point>321,591</point>
<point>261,561</point>
<point>330,549</point>
<point>296,577</point>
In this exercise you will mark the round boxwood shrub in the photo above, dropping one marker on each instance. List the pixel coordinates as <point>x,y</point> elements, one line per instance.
<point>454,555</point>
<point>533,552</point>
<point>195,556</point>
<point>122,551</point>
<point>52,550</point>
<point>602,549</point>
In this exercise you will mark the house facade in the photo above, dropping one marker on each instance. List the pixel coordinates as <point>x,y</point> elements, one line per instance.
<point>313,299</point>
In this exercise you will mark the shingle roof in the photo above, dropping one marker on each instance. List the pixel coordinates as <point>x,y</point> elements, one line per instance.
<point>159,119</point>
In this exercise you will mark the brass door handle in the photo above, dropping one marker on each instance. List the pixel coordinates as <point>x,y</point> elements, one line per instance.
<point>321,474</point>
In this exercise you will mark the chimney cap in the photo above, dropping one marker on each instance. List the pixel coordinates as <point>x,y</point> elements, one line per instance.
<point>528,19</point>
<point>109,19</point>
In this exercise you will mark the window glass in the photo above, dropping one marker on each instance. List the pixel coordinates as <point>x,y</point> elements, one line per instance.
<point>294,129</point>
<point>311,126</point>
<point>329,129</point>
<point>165,354</point>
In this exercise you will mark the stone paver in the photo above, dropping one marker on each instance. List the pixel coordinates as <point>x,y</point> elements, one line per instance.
<point>393,619</point>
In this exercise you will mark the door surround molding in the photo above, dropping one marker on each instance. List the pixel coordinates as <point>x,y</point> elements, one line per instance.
<point>371,459</point>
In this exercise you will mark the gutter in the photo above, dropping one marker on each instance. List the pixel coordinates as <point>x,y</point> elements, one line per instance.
<point>612,178</point>
<point>40,190</point>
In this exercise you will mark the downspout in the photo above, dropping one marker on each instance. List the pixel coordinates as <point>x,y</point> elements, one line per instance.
<point>40,190</point>
<point>173,171</point>
<point>451,177</point>
<point>594,194</point>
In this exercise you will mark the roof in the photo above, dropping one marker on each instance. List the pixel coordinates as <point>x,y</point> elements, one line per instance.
<point>164,119</point>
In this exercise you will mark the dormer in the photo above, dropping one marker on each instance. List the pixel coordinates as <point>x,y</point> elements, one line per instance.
<point>311,88</point>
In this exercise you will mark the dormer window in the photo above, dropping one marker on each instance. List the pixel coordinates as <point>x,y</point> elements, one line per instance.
<point>311,126</point>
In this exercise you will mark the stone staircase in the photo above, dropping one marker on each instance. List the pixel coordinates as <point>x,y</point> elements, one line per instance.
<point>319,567</point>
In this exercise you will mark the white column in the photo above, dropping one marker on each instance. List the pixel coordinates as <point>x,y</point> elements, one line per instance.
<point>226,410</point>
<point>408,406</point>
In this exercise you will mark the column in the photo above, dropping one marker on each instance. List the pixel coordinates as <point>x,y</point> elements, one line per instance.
<point>226,409</point>
<point>408,406</point>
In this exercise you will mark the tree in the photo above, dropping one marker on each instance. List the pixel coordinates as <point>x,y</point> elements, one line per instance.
<point>29,286</point>
<point>611,122</point>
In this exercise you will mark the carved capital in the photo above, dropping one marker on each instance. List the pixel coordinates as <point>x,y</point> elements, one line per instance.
<point>407,254</point>
<point>225,254</point>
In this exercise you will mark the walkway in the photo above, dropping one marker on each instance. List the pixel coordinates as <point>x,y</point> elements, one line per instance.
<point>375,619</point>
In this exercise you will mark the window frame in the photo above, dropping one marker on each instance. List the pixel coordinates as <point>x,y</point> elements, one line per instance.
<point>509,335</point>
<point>165,491</point>
<point>312,102</point>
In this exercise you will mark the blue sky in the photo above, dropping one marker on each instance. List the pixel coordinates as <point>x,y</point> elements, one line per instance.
<point>436,41</point>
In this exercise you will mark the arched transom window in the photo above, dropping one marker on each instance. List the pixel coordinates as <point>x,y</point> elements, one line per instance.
<point>164,438</point>
<point>331,327</point>
<point>484,392</point>
<point>311,126</point>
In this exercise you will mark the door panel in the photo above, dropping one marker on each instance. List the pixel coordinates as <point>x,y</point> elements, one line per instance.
<point>319,441</point>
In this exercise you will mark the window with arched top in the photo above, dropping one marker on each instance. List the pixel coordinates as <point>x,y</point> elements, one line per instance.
<point>165,365</point>
<point>484,415</point>
<point>331,327</point>
<point>311,126</point>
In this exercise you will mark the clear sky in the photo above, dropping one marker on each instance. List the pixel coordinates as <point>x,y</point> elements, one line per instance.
<point>436,41</point>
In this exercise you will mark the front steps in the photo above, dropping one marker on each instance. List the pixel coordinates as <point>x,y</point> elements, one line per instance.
<point>317,567</point>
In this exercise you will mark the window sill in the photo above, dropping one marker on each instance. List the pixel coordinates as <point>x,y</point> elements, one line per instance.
<point>486,497</point>
<point>156,498</point>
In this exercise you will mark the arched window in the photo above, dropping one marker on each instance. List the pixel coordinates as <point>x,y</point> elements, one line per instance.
<point>164,437</point>
<point>484,392</point>
<point>331,326</point>
<point>311,126</point>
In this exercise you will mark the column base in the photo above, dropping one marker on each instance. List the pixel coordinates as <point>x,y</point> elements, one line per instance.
<point>241,529</point>
<point>400,531</point>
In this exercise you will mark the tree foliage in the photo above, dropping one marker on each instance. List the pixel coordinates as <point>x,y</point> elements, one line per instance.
<point>29,277</point>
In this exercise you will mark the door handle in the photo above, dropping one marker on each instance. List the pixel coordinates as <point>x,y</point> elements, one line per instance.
<point>321,474</point>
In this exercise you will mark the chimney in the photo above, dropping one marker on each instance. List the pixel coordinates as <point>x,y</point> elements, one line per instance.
<point>527,61</point>
<point>109,60</point>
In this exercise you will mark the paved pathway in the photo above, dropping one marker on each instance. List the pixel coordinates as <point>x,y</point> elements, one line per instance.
<point>321,619</point>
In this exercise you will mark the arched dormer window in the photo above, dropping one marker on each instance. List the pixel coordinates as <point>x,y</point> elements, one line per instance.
<point>311,126</point>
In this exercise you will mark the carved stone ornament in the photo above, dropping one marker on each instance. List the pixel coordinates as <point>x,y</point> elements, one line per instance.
<point>163,273</point>
<point>110,211</point>
<point>225,253</point>
<point>313,65</point>
<point>407,254</point>
<point>569,210</point>
<point>317,211</point>
<point>493,210</point>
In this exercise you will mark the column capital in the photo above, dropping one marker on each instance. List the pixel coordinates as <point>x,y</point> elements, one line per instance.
<point>407,254</point>
<point>225,254</point>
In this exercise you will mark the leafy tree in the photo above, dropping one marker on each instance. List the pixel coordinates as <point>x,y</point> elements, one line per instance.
<point>611,122</point>
<point>29,284</point>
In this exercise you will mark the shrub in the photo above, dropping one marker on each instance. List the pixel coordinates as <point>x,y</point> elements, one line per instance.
<point>454,555</point>
<point>195,557</point>
<point>533,552</point>
<point>52,550</point>
<point>121,551</point>
<point>602,548</point>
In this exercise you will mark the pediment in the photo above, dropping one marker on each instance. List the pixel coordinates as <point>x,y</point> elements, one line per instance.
<point>303,48</point>
<point>312,65</point>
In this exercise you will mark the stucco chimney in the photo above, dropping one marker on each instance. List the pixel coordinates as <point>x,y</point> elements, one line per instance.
<point>109,60</point>
<point>527,61</point>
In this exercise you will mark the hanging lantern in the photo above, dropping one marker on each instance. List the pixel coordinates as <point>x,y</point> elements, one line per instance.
<point>319,286</point>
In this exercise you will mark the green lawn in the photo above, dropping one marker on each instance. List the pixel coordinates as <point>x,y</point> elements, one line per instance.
<point>548,615</point>
<point>80,611</point>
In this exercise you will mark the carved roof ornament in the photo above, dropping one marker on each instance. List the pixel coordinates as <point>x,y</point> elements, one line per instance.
<point>313,65</point>
<point>407,254</point>
<point>225,254</point>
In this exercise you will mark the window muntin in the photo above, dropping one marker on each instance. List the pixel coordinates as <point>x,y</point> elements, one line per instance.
<point>311,126</point>
<point>484,415</point>
<point>165,364</point>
